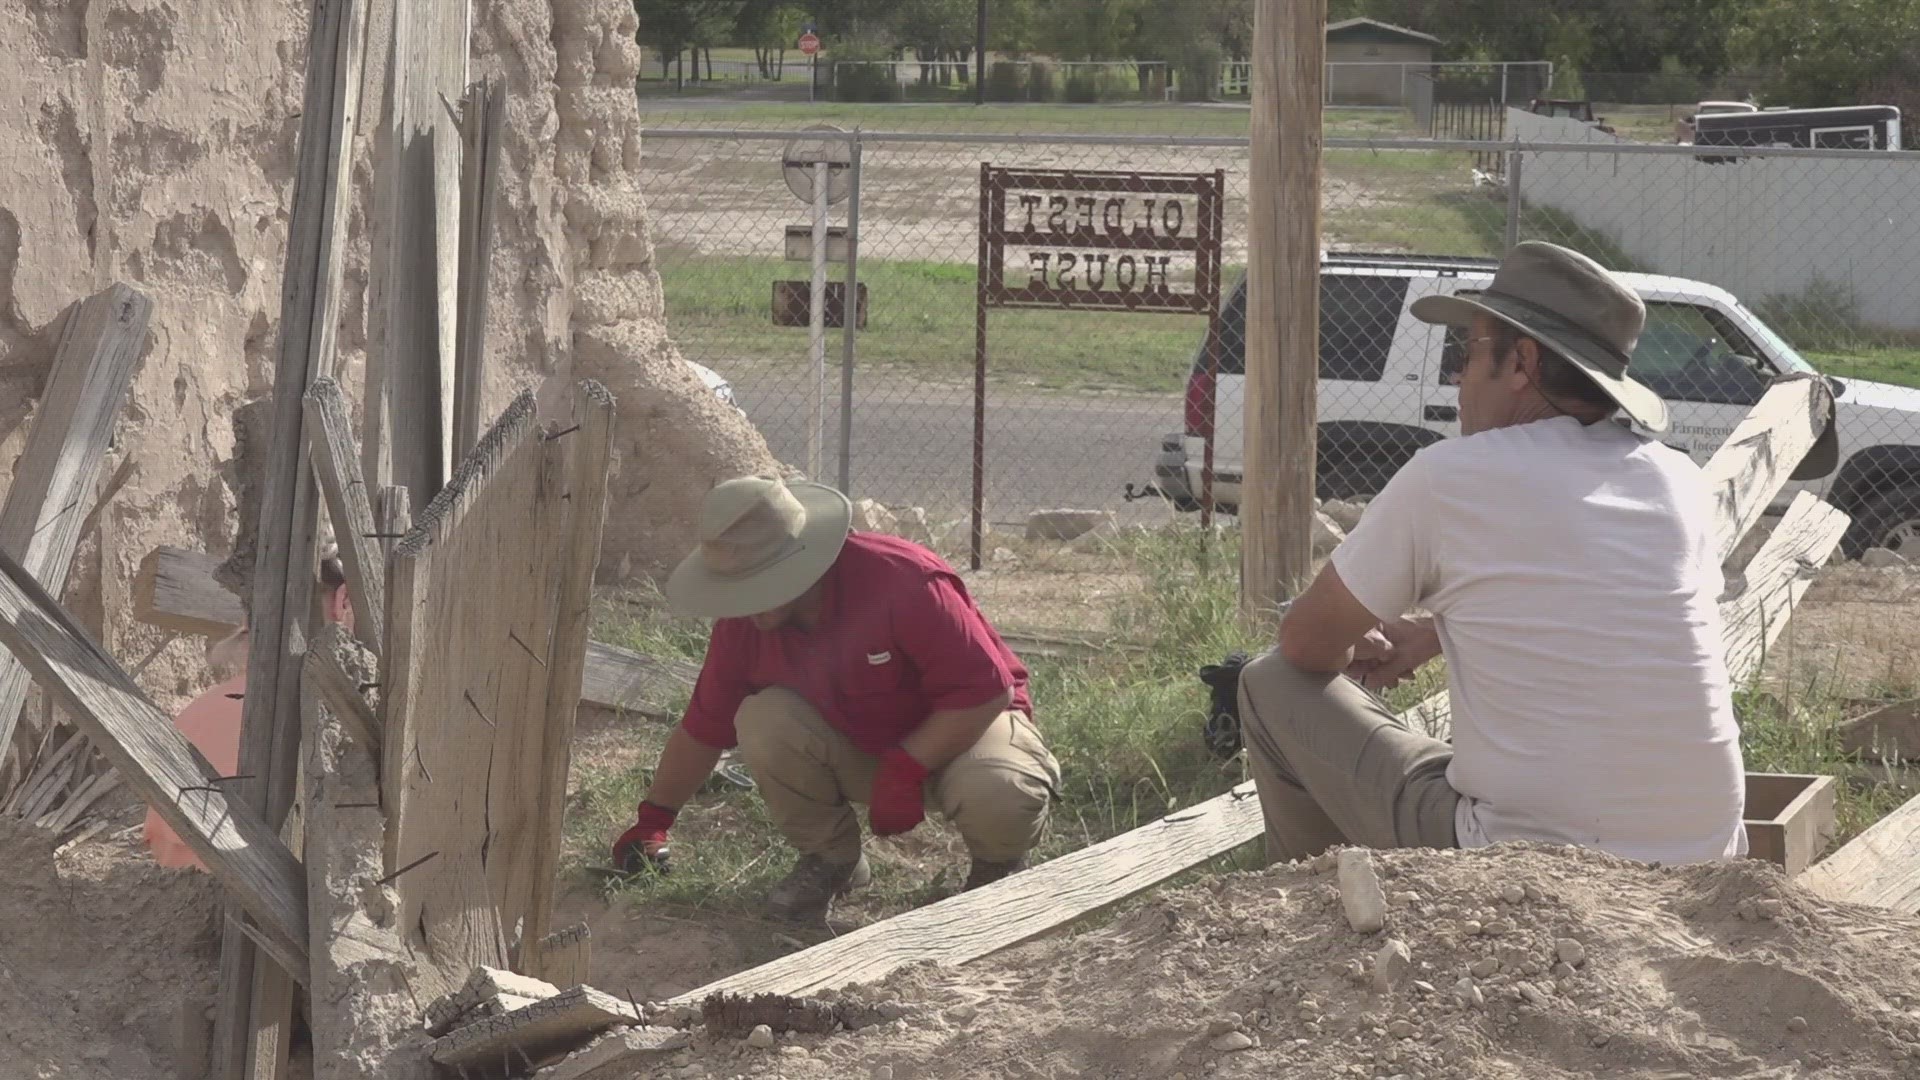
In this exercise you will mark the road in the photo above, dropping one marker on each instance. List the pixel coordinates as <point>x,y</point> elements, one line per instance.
<point>913,443</point>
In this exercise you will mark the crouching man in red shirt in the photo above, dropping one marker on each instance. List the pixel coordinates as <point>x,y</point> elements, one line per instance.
<point>848,668</point>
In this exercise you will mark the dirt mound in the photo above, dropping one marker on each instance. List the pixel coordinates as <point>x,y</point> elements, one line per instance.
<point>101,948</point>
<point>1523,962</point>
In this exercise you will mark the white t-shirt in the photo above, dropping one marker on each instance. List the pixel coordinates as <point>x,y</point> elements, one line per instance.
<point>1572,575</point>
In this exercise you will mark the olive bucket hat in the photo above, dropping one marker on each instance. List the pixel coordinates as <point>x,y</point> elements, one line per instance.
<point>1572,305</point>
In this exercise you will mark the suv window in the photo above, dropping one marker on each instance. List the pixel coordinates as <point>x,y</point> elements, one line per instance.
<point>1686,353</point>
<point>1359,314</point>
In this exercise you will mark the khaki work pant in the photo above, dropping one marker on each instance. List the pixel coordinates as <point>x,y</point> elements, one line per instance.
<point>1333,765</point>
<point>996,794</point>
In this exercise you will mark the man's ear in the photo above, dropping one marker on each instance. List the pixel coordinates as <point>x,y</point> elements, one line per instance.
<point>1526,361</point>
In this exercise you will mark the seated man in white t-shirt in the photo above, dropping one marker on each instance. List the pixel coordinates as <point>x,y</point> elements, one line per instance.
<point>1569,569</point>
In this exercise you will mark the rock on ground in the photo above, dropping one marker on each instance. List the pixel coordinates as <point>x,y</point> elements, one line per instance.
<point>1881,559</point>
<point>1066,524</point>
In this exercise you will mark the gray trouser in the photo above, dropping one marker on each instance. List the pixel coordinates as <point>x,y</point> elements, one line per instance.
<point>1333,765</point>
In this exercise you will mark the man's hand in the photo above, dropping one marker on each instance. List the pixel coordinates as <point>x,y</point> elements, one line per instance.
<point>898,805</point>
<point>645,844</point>
<point>1392,652</point>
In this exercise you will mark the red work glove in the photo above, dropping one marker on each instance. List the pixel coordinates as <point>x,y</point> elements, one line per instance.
<point>897,806</point>
<point>646,841</point>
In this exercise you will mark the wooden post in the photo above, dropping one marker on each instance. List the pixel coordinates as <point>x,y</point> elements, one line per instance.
<point>100,343</point>
<point>254,1021</point>
<point>349,507</point>
<point>1283,302</point>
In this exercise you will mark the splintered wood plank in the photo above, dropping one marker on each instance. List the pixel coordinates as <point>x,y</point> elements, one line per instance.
<point>336,465</point>
<point>474,731</point>
<point>1779,574</point>
<point>588,442</point>
<point>230,837</point>
<point>563,957</point>
<point>1880,867</point>
<point>535,1035</point>
<point>101,341</point>
<point>175,590</point>
<point>1009,911</point>
<point>483,120</point>
<point>1756,461</point>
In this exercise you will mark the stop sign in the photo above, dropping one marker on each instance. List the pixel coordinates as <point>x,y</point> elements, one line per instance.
<point>809,43</point>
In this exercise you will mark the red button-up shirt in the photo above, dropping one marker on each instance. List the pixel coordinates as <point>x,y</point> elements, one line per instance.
<point>898,639</point>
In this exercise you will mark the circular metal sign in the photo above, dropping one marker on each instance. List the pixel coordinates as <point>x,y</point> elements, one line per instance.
<point>809,44</point>
<point>802,155</point>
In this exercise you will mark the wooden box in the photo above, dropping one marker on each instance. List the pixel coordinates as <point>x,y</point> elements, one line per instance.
<point>1790,817</point>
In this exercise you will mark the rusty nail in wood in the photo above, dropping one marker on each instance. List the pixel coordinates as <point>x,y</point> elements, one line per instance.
<point>415,863</point>
<point>354,805</point>
<point>468,694</point>
<point>516,640</point>
<point>422,762</point>
<point>366,686</point>
<point>235,697</point>
<point>561,433</point>
<point>382,536</point>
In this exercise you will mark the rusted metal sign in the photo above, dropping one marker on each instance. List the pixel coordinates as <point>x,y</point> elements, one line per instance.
<point>1075,239</point>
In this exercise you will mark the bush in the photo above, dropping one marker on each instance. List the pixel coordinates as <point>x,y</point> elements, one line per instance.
<point>1006,81</point>
<point>1083,87</point>
<point>863,71</point>
<point>1040,82</point>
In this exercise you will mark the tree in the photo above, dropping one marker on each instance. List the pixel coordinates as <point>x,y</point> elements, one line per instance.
<point>666,26</point>
<point>937,31</point>
<point>770,28</point>
<point>1833,52</point>
<point>1087,29</point>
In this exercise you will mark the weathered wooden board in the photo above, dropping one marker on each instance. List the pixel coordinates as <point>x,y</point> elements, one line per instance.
<point>483,120</point>
<point>151,755</point>
<point>973,924</point>
<point>483,681</point>
<point>1755,462</point>
<point>283,575</point>
<point>175,590</point>
<point>101,341</point>
<point>421,223</point>
<point>1779,574</point>
<point>1880,867</point>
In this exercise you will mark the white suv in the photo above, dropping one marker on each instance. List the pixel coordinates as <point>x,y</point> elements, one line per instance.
<point>1387,389</point>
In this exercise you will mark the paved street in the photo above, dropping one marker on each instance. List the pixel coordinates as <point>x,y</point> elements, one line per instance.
<point>913,443</point>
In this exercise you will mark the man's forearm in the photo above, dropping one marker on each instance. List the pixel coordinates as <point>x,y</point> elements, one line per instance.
<point>684,765</point>
<point>949,733</point>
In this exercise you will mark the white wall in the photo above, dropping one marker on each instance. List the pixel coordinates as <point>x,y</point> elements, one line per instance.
<point>1755,227</point>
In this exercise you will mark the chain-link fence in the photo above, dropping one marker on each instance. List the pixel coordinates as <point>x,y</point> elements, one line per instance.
<point>1752,263</point>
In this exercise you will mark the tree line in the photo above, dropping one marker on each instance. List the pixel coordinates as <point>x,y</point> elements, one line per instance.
<point>1812,52</point>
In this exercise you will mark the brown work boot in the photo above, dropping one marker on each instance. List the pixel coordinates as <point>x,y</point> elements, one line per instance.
<point>985,872</point>
<point>805,894</point>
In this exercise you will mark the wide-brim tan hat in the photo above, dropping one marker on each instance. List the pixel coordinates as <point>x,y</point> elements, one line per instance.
<point>1570,304</point>
<point>763,543</point>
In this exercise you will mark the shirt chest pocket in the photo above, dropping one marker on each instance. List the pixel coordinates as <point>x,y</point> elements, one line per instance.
<point>877,670</point>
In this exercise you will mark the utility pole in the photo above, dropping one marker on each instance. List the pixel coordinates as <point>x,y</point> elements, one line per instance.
<point>980,52</point>
<point>1283,302</point>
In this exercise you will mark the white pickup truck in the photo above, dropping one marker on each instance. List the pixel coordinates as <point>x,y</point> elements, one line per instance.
<point>1386,390</point>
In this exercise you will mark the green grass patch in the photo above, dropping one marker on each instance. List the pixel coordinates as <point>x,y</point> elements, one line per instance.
<point>1899,366</point>
<point>920,317</point>
<point>1796,730</point>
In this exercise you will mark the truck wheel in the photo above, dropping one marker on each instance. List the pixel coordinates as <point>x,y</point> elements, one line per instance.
<point>1890,520</point>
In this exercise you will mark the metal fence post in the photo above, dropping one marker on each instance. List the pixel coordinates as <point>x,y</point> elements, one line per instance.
<point>851,307</point>
<point>1514,159</point>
